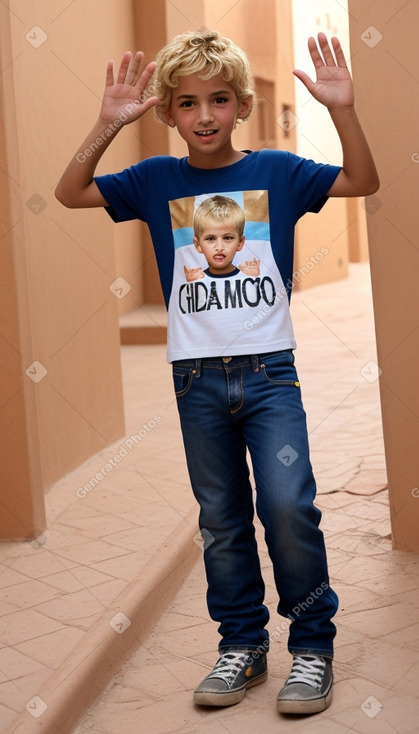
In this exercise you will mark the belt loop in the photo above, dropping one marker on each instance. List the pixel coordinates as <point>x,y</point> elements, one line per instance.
<point>255,362</point>
<point>197,369</point>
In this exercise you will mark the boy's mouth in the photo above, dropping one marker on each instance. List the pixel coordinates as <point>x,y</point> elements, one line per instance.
<point>205,133</point>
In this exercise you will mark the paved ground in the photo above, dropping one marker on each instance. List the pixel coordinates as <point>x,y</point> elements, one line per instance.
<point>55,591</point>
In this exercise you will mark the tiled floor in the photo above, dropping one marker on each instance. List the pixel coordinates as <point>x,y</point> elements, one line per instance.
<point>54,590</point>
<point>377,650</point>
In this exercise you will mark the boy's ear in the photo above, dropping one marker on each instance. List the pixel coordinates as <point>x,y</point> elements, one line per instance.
<point>245,108</point>
<point>168,117</point>
<point>241,243</point>
<point>197,245</point>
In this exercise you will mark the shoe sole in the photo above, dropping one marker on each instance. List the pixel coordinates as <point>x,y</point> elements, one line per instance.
<point>312,706</point>
<point>230,698</point>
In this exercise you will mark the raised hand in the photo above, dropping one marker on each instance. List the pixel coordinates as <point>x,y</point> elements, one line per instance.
<point>333,86</point>
<point>129,97</point>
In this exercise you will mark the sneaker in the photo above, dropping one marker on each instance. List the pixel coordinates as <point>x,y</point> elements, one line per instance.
<point>308,689</point>
<point>233,672</point>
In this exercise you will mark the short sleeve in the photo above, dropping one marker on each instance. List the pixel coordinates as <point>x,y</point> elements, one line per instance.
<point>125,192</point>
<point>310,183</point>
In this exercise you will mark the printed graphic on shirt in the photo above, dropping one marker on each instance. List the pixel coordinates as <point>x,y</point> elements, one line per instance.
<point>226,284</point>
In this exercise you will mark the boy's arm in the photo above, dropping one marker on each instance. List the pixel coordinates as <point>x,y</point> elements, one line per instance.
<point>124,101</point>
<point>334,88</point>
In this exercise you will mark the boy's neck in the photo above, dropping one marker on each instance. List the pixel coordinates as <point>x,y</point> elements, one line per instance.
<point>220,159</point>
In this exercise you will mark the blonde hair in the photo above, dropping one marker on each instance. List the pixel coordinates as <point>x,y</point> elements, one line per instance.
<point>205,53</point>
<point>219,209</point>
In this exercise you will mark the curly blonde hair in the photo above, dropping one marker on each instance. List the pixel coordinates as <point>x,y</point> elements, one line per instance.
<point>205,53</point>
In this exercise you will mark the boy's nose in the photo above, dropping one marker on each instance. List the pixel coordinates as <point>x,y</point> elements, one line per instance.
<point>205,113</point>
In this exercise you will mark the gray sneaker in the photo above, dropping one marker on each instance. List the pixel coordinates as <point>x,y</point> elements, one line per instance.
<point>234,671</point>
<point>308,689</point>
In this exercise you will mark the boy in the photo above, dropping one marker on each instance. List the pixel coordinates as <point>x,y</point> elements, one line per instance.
<point>232,349</point>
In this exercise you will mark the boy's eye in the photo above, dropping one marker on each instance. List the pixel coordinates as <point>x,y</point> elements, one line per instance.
<point>187,103</point>
<point>220,100</point>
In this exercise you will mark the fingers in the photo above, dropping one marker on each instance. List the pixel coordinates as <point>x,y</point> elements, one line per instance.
<point>326,50</point>
<point>123,68</point>
<point>314,53</point>
<point>109,74</point>
<point>129,70</point>
<point>321,52</point>
<point>146,76</point>
<point>338,52</point>
<point>133,68</point>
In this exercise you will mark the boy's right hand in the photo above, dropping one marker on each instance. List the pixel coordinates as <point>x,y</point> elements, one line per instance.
<point>123,102</point>
<point>129,97</point>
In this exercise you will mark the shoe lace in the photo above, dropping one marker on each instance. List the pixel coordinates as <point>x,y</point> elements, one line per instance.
<point>309,670</point>
<point>229,665</point>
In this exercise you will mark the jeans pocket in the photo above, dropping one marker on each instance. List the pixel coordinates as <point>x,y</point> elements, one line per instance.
<point>280,372</point>
<point>182,380</point>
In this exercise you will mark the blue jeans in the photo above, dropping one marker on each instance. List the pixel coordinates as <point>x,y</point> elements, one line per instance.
<point>226,406</point>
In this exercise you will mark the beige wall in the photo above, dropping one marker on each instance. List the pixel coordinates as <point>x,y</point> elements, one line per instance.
<point>385,64</point>
<point>21,495</point>
<point>57,264</point>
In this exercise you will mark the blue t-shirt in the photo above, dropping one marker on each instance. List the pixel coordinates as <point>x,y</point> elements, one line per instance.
<point>246,311</point>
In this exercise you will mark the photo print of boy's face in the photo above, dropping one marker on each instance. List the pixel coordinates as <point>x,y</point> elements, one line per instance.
<point>218,233</point>
<point>219,219</point>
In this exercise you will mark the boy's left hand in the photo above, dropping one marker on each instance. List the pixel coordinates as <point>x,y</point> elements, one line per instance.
<point>333,86</point>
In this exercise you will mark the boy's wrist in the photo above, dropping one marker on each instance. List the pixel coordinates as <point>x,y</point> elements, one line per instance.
<point>107,127</point>
<point>342,110</point>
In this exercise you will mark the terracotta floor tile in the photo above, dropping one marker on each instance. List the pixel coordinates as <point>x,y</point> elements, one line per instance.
<point>37,563</point>
<point>90,552</point>
<point>29,594</point>
<point>78,609</point>
<point>51,649</point>
<point>137,537</point>
<point>6,608</point>
<point>390,584</point>
<point>127,566</point>
<point>407,636</point>
<point>14,692</point>
<point>26,625</point>
<point>402,711</point>
<point>7,715</point>
<point>353,599</point>
<point>14,664</point>
<point>372,713</point>
<point>98,526</point>
<point>361,568</point>
<point>9,576</point>
<point>107,592</point>
<point>379,622</point>
<point>174,621</point>
<point>65,581</point>
<point>408,680</point>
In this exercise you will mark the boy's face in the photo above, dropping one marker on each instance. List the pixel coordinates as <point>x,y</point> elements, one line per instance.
<point>205,113</point>
<point>219,243</point>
